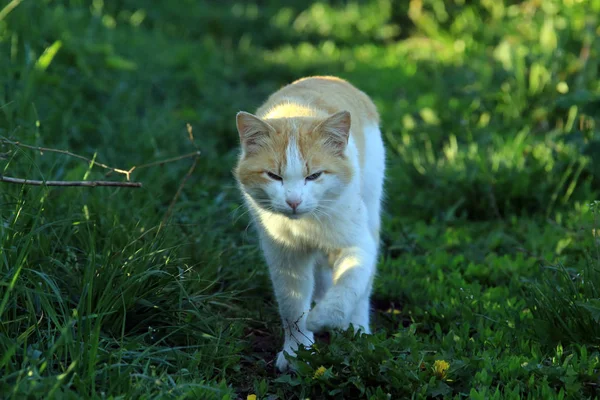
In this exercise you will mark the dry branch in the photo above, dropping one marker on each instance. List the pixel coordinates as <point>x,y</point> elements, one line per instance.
<point>185,178</point>
<point>179,189</point>
<point>168,160</point>
<point>43,149</point>
<point>127,173</point>
<point>8,179</point>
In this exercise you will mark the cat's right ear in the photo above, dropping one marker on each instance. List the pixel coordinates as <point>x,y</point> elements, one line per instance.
<point>253,131</point>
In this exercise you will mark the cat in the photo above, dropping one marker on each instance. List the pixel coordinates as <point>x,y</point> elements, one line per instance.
<point>311,171</point>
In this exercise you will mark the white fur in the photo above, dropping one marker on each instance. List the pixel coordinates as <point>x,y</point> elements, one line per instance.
<point>327,251</point>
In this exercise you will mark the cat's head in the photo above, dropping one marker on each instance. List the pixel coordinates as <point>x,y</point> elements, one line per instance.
<point>294,166</point>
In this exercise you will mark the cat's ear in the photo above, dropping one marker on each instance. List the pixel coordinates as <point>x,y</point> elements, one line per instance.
<point>253,131</point>
<point>336,130</point>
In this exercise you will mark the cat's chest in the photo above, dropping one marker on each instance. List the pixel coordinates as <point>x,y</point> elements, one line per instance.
<point>327,232</point>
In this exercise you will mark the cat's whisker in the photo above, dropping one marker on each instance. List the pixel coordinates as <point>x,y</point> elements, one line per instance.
<point>323,209</point>
<point>318,213</point>
<point>315,214</point>
<point>240,216</point>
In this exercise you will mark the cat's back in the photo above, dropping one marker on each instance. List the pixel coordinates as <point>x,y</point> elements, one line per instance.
<point>328,94</point>
<point>321,96</point>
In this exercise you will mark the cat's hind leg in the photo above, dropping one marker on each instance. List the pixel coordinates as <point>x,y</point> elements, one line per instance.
<point>372,194</point>
<point>374,172</point>
<point>352,277</point>
<point>361,316</point>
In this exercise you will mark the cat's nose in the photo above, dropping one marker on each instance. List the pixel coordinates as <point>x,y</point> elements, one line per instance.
<point>293,203</point>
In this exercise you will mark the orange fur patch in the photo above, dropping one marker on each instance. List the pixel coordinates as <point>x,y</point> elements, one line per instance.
<point>294,112</point>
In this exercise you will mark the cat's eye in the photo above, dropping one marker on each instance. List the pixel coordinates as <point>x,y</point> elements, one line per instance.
<point>313,176</point>
<point>274,177</point>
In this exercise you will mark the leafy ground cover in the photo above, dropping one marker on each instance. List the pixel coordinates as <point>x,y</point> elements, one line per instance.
<point>489,275</point>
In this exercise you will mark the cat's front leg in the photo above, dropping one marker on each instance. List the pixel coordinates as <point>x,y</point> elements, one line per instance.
<point>323,278</point>
<point>293,282</point>
<point>347,300</point>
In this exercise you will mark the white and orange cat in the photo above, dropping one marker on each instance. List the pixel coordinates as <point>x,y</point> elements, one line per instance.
<point>311,171</point>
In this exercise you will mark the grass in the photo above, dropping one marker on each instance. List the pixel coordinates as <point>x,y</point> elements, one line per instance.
<point>490,255</point>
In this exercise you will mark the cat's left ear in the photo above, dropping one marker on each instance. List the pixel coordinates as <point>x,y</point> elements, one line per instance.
<point>336,129</point>
<point>253,131</point>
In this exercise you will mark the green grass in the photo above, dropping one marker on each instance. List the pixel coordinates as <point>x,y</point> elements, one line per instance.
<point>490,255</point>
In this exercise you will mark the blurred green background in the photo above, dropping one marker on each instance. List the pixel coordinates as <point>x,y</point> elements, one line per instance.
<point>490,112</point>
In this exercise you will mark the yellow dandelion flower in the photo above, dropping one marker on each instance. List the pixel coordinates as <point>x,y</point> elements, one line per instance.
<point>440,368</point>
<point>251,397</point>
<point>319,372</point>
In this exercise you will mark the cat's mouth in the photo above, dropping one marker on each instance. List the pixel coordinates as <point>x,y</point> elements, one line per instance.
<point>294,214</point>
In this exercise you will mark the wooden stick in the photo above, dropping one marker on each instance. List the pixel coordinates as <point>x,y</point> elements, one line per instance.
<point>127,173</point>
<point>68,183</point>
<point>42,149</point>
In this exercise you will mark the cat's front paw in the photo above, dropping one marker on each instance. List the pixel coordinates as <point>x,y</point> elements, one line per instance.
<point>325,316</point>
<point>282,364</point>
<point>303,337</point>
